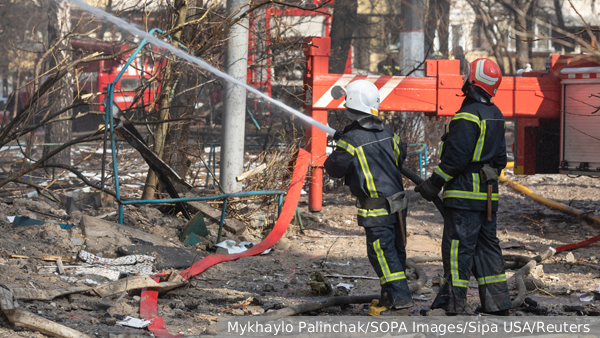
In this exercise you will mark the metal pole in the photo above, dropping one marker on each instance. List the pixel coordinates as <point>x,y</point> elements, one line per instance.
<point>234,112</point>
<point>426,161</point>
<point>222,220</point>
<point>421,164</point>
<point>412,37</point>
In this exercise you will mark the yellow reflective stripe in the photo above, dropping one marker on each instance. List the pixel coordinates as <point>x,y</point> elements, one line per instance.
<point>396,148</point>
<point>387,276</point>
<point>469,195</point>
<point>461,282</point>
<point>441,148</point>
<point>468,117</point>
<point>445,176</point>
<point>456,281</point>
<point>365,168</point>
<point>381,258</point>
<point>345,145</point>
<point>491,279</point>
<point>476,183</point>
<point>480,141</point>
<point>392,277</point>
<point>372,212</point>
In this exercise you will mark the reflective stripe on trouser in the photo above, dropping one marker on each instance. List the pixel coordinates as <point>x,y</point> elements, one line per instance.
<point>470,244</point>
<point>387,254</point>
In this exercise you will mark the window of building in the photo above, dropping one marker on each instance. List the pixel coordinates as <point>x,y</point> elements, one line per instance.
<point>542,45</point>
<point>511,43</point>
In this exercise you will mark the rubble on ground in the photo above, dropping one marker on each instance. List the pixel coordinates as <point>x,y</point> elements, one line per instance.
<point>78,292</point>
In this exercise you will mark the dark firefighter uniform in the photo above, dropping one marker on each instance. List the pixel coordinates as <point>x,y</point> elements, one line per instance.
<point>389,68</point>
<point>369,156</point>
<point>470,244</point>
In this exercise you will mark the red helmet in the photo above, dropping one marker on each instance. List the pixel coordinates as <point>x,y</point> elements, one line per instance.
<point>485,74</point>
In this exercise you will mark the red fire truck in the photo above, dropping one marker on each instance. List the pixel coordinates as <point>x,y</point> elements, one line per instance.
<point>94,77</point>
<point>557,110</point>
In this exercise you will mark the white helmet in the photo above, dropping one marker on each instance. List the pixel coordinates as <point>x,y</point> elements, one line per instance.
<point>363,96</point>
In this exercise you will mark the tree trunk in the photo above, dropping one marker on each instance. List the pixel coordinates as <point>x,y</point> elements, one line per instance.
<point>178,135</point>
<point>444,26</point>
<point>522,47</point>
<point>561,24</point>
<point>438,19</point>
<point>343,25</point>
<point>169,79</point>
<point>59,24</point>
<point>488,31</point>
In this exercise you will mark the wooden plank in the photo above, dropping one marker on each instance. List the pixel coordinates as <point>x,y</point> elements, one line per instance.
<point>251,172</point>
<point>52,258</point>
<point>230,224</point>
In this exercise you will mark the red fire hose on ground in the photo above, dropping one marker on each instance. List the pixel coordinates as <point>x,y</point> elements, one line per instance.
<point>149,297</point>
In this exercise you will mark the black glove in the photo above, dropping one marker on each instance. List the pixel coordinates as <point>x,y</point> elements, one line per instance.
<point>427,190</point>
<point>338,135</point>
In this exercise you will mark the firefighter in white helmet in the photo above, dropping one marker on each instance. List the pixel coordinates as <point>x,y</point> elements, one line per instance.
<point>369,156</point>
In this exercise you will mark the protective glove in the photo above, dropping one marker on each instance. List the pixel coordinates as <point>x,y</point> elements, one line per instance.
<point>428,190</point>
<point>338,135</point>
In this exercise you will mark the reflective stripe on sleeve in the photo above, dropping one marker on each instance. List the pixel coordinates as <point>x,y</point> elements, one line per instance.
<point>468,117</point>
<point>445,176</point>
<point>347,146</point>
<point>368,176</point>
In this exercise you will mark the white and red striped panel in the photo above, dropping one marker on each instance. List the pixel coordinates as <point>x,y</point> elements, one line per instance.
<point>397,93</point>
<point>385,84</point>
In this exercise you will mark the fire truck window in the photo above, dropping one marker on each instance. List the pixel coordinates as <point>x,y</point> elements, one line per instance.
<point>129,84</point>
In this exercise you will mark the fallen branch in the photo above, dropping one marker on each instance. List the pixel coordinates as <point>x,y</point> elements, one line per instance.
<point>81,177</point>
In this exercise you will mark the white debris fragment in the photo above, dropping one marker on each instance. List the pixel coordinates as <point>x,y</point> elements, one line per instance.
<point>345,286</point>
<point>135,322</point>
<point>586,297</point>
<point>90,282</point>
<point>11,218</point>
<point>233,248</point>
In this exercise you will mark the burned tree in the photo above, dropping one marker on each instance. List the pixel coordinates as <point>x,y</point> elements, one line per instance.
<point>61,96</point>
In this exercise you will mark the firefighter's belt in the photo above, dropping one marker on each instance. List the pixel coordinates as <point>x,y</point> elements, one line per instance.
<point>393,204</point>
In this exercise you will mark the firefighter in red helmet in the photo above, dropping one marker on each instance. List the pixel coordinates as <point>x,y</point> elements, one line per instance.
<point>472,153</point>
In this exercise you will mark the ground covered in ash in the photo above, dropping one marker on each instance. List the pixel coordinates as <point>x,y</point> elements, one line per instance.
<point>331,244</point>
